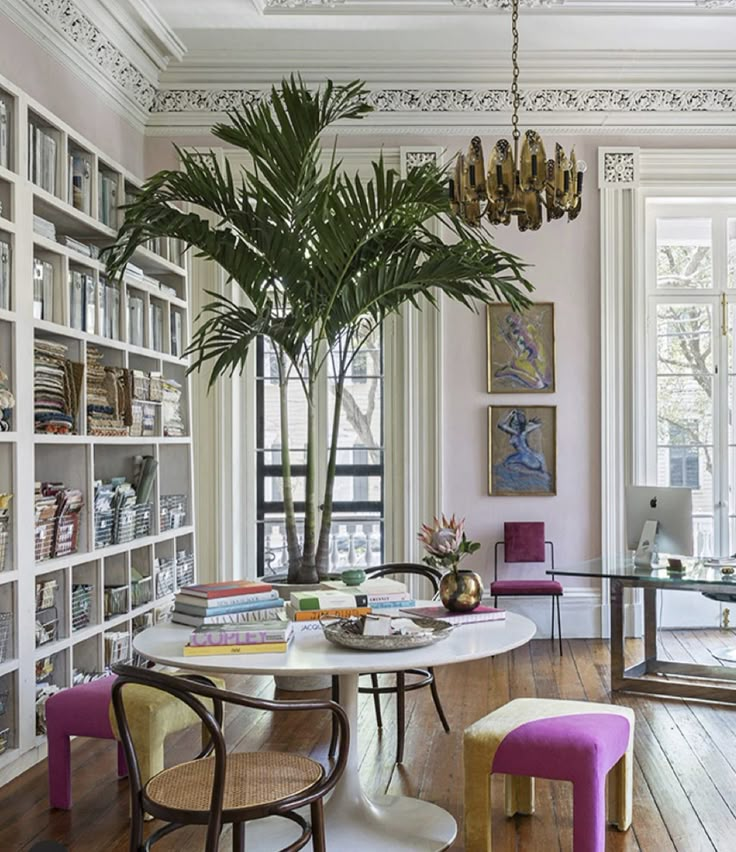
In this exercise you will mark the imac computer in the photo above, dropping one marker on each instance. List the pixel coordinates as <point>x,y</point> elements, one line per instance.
<point>658,519</point>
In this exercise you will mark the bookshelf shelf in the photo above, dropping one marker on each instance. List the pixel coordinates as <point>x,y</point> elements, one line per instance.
<point>57,190</point>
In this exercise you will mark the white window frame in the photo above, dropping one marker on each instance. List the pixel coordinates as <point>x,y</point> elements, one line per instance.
<point>225,445</point>
<point>627,178</point>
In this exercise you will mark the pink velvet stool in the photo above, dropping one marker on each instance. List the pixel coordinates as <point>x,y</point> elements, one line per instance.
<point>578,741</point>
<point>82,711</point>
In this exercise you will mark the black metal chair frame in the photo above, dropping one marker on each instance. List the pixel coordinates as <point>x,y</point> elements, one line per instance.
<point>555,598</point>
<point>189,689</point>
<point>426,676</point>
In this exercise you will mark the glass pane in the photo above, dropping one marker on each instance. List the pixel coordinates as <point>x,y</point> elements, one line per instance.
<point>684,410</point>
<point>273,489</point>
<point>271,414</point>
<point>362,413</point>
<point>362,488</point>
<point>691,467</point>
<point>731,230</point>
<point>368,361</point>
<point>684,339</point>
<point>355,540</point>
<point>703,536</point>
<point>684,256</point>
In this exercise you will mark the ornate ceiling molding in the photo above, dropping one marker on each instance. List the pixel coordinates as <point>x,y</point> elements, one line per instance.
<point>67,17</point>
<point>602,100</point>
<point>579,7</point>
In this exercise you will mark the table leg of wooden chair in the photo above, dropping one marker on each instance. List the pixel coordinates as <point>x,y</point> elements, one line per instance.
<point>437,702</point>
<point>400,715</point>
<point>318,826</point>
<point>334,734</point>
<point>376,700</point>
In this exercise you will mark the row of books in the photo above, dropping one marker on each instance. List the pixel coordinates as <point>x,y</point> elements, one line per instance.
<point>41,157</point>
<point>43,289</point>
<point>5,267</point>
<point>231,603</point>
<point>79,189</point>
<point>107,199</point>
<point>268,637</point>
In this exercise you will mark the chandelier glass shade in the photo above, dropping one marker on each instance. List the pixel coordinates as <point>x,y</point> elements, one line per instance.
<point>520,181</point>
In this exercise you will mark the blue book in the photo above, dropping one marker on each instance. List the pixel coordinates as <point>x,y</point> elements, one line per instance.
<point>225,610</point>
<point>392,604</point>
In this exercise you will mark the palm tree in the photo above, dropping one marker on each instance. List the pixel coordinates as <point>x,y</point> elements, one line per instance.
<point>320,259</point>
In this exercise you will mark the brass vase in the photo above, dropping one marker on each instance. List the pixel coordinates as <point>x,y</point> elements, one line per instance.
<point>461,591</point>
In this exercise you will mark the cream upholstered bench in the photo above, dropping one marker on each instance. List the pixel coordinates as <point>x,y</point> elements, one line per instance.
<point>573,741</point>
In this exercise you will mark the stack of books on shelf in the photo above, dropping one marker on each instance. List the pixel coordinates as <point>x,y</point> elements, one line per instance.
<point>42,157</point>
<point>480,613</point>
<point>44,228</point>
<point>80,183</point>
<point>87,249</point>
<point>56,385</point>
<point>105,397</point>
<point>338,600</point>
<point>171,409</point>
<point>231,603</point>
<point>107,200</point>
<point>43,290</point>
<point>269,637</point>
<point>5,266</point>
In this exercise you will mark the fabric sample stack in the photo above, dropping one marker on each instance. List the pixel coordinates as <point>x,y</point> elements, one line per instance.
<point>104,403</point>
<point>52,388</point>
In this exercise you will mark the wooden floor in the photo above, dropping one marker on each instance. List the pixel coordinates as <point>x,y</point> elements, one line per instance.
<point>684,780</point>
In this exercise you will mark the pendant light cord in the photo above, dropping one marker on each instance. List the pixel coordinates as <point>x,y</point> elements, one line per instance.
<point>515,79</point>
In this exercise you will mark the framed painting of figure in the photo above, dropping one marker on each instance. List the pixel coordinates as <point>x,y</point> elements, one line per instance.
<point>522,450</point>
<point>521,349</point>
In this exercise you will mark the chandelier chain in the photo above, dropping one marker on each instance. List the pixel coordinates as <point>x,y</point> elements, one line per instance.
<point>515,79</point>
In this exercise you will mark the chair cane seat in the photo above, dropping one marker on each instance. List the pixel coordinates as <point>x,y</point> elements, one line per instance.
<point>252,779</point>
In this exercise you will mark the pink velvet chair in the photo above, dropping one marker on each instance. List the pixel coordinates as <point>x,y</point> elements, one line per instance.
<point>82,711</point>
<point>524,541</point>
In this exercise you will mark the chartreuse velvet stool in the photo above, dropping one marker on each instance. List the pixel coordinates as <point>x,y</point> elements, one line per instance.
<point>86,711</point>
<point>559,740</point>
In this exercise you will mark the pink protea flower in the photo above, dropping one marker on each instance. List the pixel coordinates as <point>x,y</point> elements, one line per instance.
<point>443,538</point>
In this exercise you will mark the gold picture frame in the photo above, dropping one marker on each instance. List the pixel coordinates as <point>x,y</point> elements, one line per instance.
<point>522,450</point>
<point>521,348</point>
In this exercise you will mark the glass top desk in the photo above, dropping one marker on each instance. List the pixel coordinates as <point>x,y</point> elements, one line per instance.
<point>652,675</point>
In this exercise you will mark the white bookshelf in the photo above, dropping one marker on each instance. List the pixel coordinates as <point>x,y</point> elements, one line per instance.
<point>77,459</point>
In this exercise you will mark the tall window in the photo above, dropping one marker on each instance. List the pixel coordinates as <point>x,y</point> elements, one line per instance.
<point>358,512</point>
<point>691,364</point>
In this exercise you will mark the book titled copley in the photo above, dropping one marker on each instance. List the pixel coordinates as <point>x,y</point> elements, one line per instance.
<point>268,631</point>
<point>327,599</point>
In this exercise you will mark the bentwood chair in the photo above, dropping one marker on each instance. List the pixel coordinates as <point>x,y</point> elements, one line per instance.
<point>426,676</point>
<point>216,788</point>
<point>524,541</point>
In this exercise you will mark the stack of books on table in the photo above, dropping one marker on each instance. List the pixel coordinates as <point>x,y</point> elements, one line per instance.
<point>338,600</point>
<point>267,637</point>
<point>231,603</point>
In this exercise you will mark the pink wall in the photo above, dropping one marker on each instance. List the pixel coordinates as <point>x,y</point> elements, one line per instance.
<point>26,64</point>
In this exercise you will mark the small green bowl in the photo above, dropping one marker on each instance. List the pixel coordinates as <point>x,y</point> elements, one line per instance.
<point>353,576</point>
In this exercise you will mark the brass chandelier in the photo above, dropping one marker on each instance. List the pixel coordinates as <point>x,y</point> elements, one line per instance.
<point>517,185</point>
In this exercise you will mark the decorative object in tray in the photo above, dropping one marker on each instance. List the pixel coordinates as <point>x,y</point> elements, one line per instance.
<point>446,545</point>
<point>384,633</point>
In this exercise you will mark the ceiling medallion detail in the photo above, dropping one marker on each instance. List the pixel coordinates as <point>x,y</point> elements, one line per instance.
<point>716,4</point>
<point>301,4</point>
<point>65,17</point>
<point>520,182</point>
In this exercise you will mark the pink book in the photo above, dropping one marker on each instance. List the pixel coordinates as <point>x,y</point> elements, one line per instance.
<point>480,613</point>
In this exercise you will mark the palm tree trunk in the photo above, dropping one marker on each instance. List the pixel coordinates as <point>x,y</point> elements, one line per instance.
<point>323,548</point>
<point>308,571</point>
<point>292,538</point>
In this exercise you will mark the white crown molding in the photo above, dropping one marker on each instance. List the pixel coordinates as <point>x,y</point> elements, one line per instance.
<point>252,68</point>
<point>434,7</point>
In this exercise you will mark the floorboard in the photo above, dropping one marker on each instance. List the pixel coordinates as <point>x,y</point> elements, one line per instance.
<point>684,775</point>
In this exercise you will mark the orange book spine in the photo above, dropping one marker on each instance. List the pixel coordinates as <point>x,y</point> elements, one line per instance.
<point>316,614</point>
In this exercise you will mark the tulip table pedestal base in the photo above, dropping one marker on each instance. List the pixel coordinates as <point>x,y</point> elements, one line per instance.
<point>356,822</point>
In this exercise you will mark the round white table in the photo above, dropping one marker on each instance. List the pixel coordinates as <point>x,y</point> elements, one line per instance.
<point>353,820</point>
